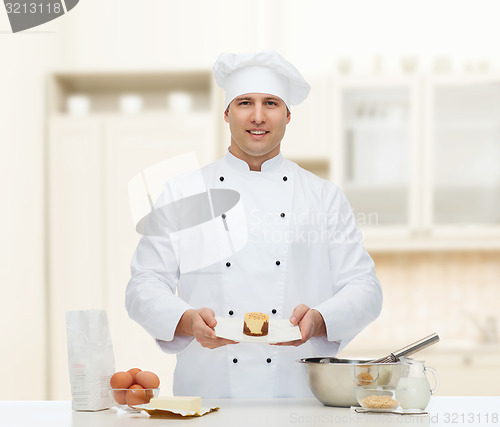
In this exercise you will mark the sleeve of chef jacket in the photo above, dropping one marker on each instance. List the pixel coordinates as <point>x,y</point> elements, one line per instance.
<point>151,298</point>
<point>357,294</point>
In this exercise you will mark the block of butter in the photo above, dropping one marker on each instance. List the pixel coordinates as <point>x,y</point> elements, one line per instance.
<point>184,403</point>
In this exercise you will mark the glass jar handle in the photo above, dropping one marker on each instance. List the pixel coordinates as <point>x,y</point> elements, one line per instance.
<point>436,378</point>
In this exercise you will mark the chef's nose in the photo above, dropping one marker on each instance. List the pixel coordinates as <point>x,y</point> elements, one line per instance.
<point>258,114</point>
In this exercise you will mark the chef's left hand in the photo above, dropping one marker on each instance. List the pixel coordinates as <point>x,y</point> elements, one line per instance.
<point>311,324</point>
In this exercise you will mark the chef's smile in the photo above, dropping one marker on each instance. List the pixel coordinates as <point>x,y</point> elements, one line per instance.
<point>257,133</point>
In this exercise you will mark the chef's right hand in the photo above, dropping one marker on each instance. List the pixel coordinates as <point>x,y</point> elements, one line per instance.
<point>199,324</point>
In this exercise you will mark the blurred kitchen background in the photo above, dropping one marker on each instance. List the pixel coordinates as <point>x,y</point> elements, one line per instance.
<point>404,114</point>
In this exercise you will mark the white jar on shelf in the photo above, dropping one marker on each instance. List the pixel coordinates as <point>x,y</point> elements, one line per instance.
<point>78,105</point>
<point>131,103</point>
<point>179,102</point>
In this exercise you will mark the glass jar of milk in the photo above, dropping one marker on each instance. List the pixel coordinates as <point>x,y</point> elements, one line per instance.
<point>414,391</point>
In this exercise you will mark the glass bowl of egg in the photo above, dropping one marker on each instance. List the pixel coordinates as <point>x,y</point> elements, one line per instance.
<point>133,387</point>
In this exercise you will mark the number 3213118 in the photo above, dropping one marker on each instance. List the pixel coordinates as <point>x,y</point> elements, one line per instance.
<point>34,8</point>
<point>470,418</point>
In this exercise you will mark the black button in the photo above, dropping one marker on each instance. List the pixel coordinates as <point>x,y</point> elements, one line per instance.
<point>223,216</point>
<point>273,311</point>
<point>268,360</point>
<point>228,264</point>
<point>235,360</point>
<point>285,178</point>
<point>278,263</point>
<point>231,312</point>
<point>282,215</point>
<point>221,178</point>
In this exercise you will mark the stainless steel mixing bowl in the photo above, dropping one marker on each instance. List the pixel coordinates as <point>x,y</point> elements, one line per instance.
<point>332,380</point>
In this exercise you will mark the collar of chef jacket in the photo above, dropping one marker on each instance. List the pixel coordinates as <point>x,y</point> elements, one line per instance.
<point>271,165</point>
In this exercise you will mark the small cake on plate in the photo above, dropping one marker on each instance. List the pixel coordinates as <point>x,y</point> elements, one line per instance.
<point>256,324</point>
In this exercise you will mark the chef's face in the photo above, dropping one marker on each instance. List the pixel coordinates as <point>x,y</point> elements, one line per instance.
<point>257,122</point>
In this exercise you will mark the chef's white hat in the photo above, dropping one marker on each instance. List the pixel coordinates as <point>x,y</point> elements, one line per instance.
<point>262,72</point>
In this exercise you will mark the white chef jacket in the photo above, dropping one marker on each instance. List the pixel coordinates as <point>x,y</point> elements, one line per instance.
<point>303,247</point>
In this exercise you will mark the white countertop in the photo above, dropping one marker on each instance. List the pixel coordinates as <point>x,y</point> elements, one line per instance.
<point>443,411</point>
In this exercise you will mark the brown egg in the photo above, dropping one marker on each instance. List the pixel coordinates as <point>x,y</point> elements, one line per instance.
<point>149,395</point>
<point>147,379</point>
<point>121,380</point>
<point>135,395</point>
<point>134,372</point>
<point>119,396</point>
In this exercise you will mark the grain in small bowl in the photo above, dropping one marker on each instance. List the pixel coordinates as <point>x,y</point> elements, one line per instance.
<point>376,397</point>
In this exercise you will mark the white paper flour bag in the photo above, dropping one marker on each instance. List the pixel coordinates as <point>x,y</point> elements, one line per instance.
<point>91,359</point>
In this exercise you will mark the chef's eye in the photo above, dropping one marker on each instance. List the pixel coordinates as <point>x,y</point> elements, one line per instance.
<point>244,103</point>
<point>272,103</point>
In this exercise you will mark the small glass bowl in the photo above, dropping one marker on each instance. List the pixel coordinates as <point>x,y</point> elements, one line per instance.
<point>366,374</point>
<point>376,397</point>
<point>126,399</point>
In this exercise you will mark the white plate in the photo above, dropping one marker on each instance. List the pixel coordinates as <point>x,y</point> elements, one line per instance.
<point>280,330</point>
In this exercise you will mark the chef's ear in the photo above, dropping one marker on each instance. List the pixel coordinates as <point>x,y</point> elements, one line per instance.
<point>288,115</point>
<point>226,117</point>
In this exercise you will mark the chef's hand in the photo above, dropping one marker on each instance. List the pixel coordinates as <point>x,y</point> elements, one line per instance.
<point>199,324</point>
<point>311,324</point>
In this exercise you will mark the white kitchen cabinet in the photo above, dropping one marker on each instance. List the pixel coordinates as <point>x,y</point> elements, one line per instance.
<point>417,159</point>
<point>75,232</point>
<point>375,159</point>
<point>462,182</point>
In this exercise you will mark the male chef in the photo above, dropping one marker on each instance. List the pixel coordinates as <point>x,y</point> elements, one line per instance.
<point>303,259</point>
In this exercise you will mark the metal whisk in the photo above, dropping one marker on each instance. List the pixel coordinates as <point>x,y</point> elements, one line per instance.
<point>409,349</point>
